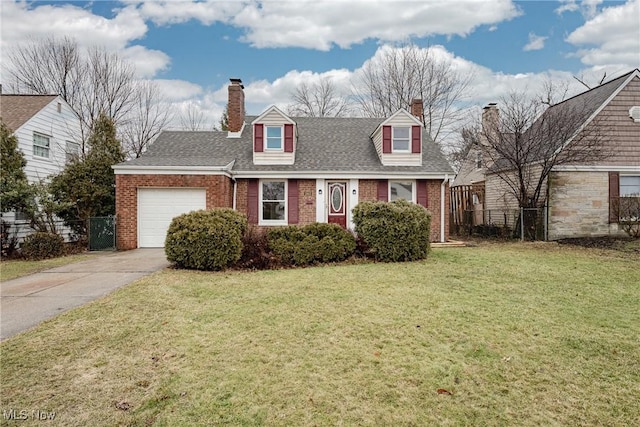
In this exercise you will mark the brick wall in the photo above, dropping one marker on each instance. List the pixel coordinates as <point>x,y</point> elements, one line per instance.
<point>368,190</point>
<point>306,201</point>
<point>219,194</point>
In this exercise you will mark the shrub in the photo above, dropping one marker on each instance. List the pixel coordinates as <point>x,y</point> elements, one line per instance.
<point>206,240</point>
<point>256,253</point>
<point>42,245</point>
<point>311,244</point>
<point>395,231</point>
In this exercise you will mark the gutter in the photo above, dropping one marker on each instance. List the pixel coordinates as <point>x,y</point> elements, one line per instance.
<point>442,206</point>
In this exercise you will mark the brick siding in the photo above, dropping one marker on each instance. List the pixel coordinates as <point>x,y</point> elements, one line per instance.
<point>219,194</point>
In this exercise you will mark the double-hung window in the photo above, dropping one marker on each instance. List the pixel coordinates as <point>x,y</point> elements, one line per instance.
<point>629,186</point>
<point>273,202</point>
<point>40,145</point>
<point>72,151</point>
<point>629,202</point>
<point>274,138</point>
<point>402,190</point>
<point>401,138</point>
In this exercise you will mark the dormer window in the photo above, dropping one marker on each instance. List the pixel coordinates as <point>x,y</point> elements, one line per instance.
<point>274,138</point>
<point>401,139</point>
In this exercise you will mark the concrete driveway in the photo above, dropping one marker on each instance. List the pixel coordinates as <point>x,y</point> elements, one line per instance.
<point>27,301</point>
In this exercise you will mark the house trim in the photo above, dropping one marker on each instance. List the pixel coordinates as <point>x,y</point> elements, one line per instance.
<point>174,170</point>
<point>591,168</point>
<point>339,174</point>
<point>238,134</point>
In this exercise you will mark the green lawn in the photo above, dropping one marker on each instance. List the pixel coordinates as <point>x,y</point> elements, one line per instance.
<point>517,334</point>
<point>11,269</point>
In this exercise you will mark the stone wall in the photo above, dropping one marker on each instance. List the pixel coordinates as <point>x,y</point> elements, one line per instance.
<point>579,205</point>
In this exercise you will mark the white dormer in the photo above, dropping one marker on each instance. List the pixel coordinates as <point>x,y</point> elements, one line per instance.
<point>398,140</point>
<point>274,138</point>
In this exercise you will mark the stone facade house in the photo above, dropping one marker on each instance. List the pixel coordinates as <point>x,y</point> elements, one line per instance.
<point>583,199</point>
<point>281,170</point>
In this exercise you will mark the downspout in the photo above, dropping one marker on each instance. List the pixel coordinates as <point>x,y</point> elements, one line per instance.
<point>442,205</point>
<point>235,192</point>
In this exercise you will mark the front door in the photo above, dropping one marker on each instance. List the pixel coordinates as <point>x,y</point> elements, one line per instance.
<point>337,192</point>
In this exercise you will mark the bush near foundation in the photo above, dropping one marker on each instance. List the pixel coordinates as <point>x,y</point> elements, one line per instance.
<point>206,240</point>
<point>311,244</point>
<point>394,231</point>
<point>42,246</point>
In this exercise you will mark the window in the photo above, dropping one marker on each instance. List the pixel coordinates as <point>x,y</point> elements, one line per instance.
<point>274,138</point>
<point>401,139</point>
<point>40,145</point>
<point>72,151</point>
<point>629,186</point>
<point>401,190</point>
<point>273,205</point>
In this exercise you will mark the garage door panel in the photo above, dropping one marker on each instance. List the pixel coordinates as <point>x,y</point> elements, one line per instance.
<point>158,206</point>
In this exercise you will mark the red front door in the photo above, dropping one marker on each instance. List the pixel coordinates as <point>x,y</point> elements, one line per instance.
<point>337,192</point>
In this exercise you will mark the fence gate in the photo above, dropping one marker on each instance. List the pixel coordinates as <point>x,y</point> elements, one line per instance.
<point>102,233</point>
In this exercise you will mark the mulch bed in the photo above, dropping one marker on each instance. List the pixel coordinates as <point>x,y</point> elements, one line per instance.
<point>614,243</point>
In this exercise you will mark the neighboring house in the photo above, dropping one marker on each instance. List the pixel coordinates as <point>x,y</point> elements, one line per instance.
<point>582,199</point>
<point>281,170</point>
<point>48,133</point>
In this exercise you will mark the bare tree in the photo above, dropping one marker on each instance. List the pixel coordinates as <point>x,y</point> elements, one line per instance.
<point>91,82</point>
<point>526,142</point>
<point>407,73</point>
<point>146,120</point>
<point>192,118</point>
<point>319,99</point>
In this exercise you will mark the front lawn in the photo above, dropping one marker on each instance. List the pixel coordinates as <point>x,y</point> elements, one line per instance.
<point>11,269</point>
<point>500,334</point>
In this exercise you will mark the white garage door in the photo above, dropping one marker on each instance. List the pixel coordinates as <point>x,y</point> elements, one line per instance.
<point>158,206</point>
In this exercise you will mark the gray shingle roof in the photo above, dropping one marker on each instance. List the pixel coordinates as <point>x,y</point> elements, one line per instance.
<point>15,110</point>
<point>324,145</point>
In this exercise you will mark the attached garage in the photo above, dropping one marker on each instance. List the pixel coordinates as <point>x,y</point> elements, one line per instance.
<point>158,206</point>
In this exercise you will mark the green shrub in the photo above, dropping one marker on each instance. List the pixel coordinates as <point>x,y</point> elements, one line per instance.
<point>206,240</point>
<point>311,244</point>
<point>396,231</point>
<point>42,245</point>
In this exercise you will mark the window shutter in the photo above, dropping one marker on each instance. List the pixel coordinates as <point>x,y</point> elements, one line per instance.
<point>292,201</point>
<point>416,139</point>
<point>386,139</point>
<point>421,192</point>
<point>383,190</point>
<point>614,196</point>
<point>258,138</point>
<point>288,138</point>
<point>252,201</point>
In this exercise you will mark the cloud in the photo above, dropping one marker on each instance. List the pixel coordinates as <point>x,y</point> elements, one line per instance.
<point>614,34</point>
<point>178,90</point>
<point>535,42</point>
<point>22,21</point>
<point>321,25</point>
<point>588,8</point>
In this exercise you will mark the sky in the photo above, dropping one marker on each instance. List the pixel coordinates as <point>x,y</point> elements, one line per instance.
<point>192,48</point>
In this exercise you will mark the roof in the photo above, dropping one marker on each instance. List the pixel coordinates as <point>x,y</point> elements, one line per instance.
<point>325,144</point>
<point>16,110</point>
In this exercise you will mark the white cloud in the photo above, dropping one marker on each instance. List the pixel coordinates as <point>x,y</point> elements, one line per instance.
<point>589,8</point>
<point>535,42</point>
<point>147,62</point>
<point>178,90</point>
<point>320,25</point>
<point>567,6</point>
<point>614,33</point>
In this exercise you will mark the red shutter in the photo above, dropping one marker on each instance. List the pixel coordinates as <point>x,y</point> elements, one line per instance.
<point>258,138</point>
<point>292,201</point>
<point>416,139</point>
<point>421,192</point>
<point>252,201</point>
<point>288,138</point>
<point>614,196</point>
<point>386,139</point>
<point>383,190</point>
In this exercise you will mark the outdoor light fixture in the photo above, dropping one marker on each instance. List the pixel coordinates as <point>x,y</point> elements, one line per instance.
<point>320,191</point>
<point>353,191</point>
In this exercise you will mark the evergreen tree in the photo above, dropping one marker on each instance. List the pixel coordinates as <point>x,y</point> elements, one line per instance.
<point>224,120</point>
<point>15,192</point>
<point>87,186</point>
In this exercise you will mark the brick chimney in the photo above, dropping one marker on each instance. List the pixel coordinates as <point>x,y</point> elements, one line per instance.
<point>417,109</point>
<point>235,106</point>
<point>490,120</point>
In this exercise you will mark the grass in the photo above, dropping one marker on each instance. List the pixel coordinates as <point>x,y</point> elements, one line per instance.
<point>516,334</point>
<point>11,269</point>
